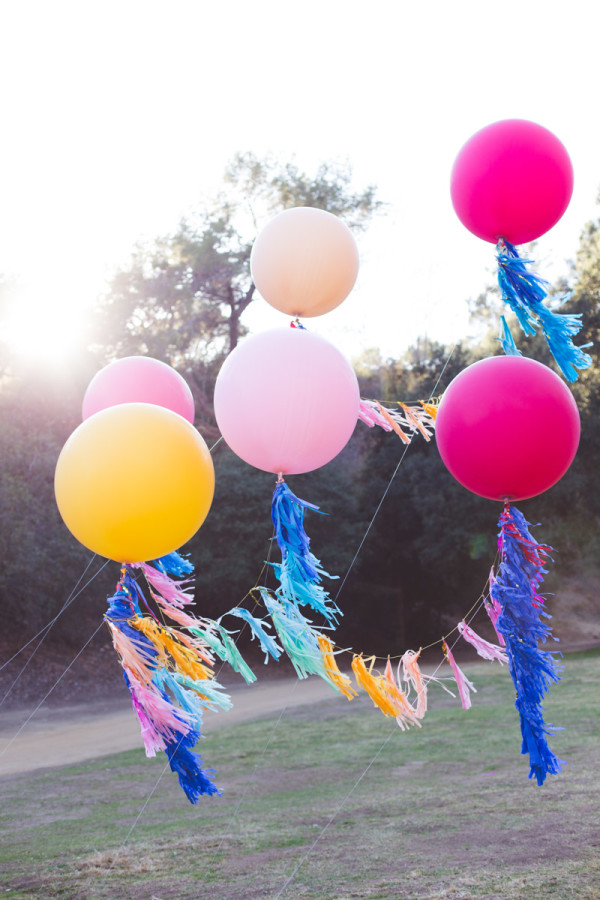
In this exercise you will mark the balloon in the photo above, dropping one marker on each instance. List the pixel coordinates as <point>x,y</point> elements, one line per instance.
<point>138,379</point>
<point>304,262</point>
<point>134,482</point>
<point>507,428</point>
<point>512,180</point>
<point>286,401</point>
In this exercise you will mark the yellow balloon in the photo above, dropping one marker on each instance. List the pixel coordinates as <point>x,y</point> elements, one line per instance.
<point>304,262</point>
<point>134,482</point>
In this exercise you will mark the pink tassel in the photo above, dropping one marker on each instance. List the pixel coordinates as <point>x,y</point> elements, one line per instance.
<point>486,650</point>
<point>370,415</point>
<point>462,682</point>
<point>159,719</point>
<point>171,591</point>
<point>413,675</point>
<point>493,609</point>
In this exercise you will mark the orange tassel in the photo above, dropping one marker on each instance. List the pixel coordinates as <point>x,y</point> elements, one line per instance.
<point>431,407</point>
<point>184,660</point>
<point>374,685</point>
<point>414,419</point>
<point>393,423</point>
<point>342,682</point>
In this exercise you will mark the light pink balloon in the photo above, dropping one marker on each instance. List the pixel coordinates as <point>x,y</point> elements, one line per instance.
<point>507,428</point>
<point>138,379</point>
<point>513,179</point>
<point>286,401</point>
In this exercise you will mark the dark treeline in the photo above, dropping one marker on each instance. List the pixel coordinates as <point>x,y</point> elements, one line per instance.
<point>424,559</point>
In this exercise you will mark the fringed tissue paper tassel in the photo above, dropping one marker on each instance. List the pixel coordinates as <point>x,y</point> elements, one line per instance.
<point>341,681</point>
<point>532,670</point>
<point>147,650</point>
<point>406,714</point>
<point>419,418</point>
<point>299,572</point>
<point>484,649</point>
<point>258,627</point>
<point>462,682</point>
<point>298,638</point>
<point>414,677</point>
<point>374,684</point>
<point>493,608</point>
<point>524,292</point>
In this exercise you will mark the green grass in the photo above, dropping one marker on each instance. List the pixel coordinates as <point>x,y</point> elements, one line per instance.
<point>446,811</point>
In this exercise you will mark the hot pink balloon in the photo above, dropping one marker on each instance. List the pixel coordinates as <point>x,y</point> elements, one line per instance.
<point>286,401</point>
<point>507,428</point>
<point>513,180</point>
<point>138,379</point>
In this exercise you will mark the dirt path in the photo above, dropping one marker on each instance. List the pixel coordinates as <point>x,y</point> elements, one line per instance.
<point>61,736</point>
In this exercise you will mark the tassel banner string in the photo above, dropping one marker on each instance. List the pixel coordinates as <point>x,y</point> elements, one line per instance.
<point>167,674</point>
<point>524,293</point>
<point>408,418</point>
<point>516,590</point>
<point>462,682</point>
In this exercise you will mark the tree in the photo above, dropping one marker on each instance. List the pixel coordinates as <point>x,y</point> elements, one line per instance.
<point>182,299</point>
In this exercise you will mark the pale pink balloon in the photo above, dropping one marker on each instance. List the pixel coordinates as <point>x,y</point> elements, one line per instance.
<point>513,179</point>
<point>507,428</point>
<point>304,262</point>
<point>138,379</point>
<point>286,401</point>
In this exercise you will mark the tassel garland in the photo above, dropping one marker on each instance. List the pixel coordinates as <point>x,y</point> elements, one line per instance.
<point>524,292</point>
<point>486,650</point>
<point>462,682</point>
<point>532,670</point>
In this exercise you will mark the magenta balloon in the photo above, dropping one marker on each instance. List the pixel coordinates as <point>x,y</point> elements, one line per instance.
<point>286,401</point>
<point>513,180</point>
<point>507,428</point>
<point>138,379</point>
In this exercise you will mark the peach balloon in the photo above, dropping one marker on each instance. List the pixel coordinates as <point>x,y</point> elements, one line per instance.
<point>304,262</point>
<point>286,401</point>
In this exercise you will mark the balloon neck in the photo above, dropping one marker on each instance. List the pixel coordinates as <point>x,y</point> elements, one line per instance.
<point>280,478</point>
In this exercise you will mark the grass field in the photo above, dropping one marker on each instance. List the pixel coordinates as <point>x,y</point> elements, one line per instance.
<point>442,812</point>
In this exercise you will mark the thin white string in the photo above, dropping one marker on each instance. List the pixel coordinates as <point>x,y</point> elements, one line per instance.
<point>394,473</point>
<point>48,628</point>
<point>45,697</point>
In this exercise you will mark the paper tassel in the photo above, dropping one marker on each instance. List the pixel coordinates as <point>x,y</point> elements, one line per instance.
<point>375,686</point>
<point>462,682</point>
<point>298,637</point>
<point>524,292</point>
<point>486,650</point>
<point>493,608</point>
<point>506,339</point>
<point>300,572</point>
<point>170,720</point>
<point>413,676</point>
<point>268,645</point>
<point>342,682</point>
<point>419,418</point>
<point>532,670</point>
<point>406,714</point>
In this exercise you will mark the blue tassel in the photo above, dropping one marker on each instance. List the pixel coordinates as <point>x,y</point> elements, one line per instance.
<point>173,564</point>
<point>268,645</point>
<point>186,705</point>
<point>300,572</point>
<point>532,670</point>
<point>524,292</point>
<point>506,339</point>
<point>194,780</point>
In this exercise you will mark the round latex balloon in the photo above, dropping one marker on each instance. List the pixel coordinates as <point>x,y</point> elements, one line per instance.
<point>507,428</point>
<point>134,482</point>
<point>513,180</point>
<point>138,379</point>
<point>304,262</point>
<point>286,401</point>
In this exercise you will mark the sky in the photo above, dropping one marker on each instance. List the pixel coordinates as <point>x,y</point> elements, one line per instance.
<point>119,118</point>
